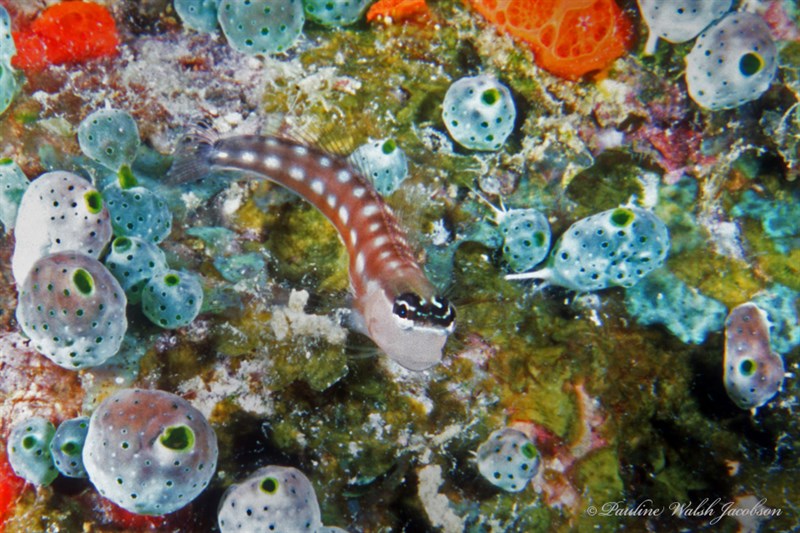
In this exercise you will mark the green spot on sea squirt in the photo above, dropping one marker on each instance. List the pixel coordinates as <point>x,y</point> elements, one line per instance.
<point>178,438</point>
<point>83,281</point>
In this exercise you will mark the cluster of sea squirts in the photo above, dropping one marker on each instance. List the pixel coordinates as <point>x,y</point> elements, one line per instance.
<point>626,246</point>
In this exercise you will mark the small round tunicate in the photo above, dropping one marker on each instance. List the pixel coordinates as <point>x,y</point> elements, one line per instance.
<point>13,184</point>
<point>479,112</point>
<point>149,451</point>
<point>28,450</point>
<point>261,27</point>
<point>73,310</point>
<point>335,12</point>
<point>752,372</point>
<point>172,299</point>
<point>382,162</point>
<point>274,498</point>
<point>138,212</point>
<point>678,21</point>
<point>200,15</point>
<point>110,137</point>
<point>732,62</point>
<point>67,446</point>
<point>526,238</point>
<point>59,211</point>
<point>134,262</point>
<point>508,459</point>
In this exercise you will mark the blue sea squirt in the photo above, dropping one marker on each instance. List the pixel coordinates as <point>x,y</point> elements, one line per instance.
<point>67,446</point>
<point>508,459</point>
<point>732,62</point>
<point>479,112</point>
<point>29,451</point>
<point>617,247</point>
<point>679,21</point>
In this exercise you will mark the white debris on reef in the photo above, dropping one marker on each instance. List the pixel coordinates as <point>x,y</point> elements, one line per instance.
<point>437,506</point>
<point>292,319</point>
<point>246,385</point>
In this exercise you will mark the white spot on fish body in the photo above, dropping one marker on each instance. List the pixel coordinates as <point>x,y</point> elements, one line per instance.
<point>377,242</point>
<point>248,157</point>
<point>324,162</point>
<point>360,263</point>
<point>343,176</point>
<point>297,173</point>
<point>300,150</point>
<point>344,215</point>
<point>272,162</point>
<point>375,226</point>
<point>384,254</point>
<point>331,200</point>
<point>358,192</point>
<point>369,210</point>
<point>223,155</point>
<point>317,186</point>
<point>353,237</point>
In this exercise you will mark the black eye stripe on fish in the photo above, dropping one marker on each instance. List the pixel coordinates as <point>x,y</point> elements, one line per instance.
<point>383,269</point>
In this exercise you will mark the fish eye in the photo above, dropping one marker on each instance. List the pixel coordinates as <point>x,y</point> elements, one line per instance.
<point>407,306</point>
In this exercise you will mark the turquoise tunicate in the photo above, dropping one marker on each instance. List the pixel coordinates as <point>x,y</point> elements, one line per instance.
<point>274,498</point>
<point>662,298</point>
<point>335,12</point>
<point>149,451</point>
<point>617,247</point>
<point>526,238</point>
<point>678,21</point>
<point>479,112</point>
<point>200,15</point>
<point>172,299</point>
<point>7,47</point>
<point>779,219</point>
<point>137,211</point>
<point>73,310</point>
<point>110,137</point>
<point>508,459</point>
<point>261,27</point>
<point>134,261</point>
<point>13,184</point>
<point>29,451</point>
<point>732,62</point>
<point>780,304</point>
<point>383,162</point>
<point>67,446</point>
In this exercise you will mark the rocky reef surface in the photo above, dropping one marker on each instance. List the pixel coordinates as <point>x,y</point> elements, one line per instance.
<point>620,390</point>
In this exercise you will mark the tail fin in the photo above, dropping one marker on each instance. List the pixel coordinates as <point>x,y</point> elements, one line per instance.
<point>192,155</point>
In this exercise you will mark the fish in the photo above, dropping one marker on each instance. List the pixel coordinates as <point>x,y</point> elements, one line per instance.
<point>394,303</point>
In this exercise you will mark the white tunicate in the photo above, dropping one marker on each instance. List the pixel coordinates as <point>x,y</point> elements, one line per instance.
<point>73,310</point>
<point>617,247</point>
<point>59,211</point>
<point>274,498</point>
<point>678,21</point>
<point>508,459</point>
<point>382,162</point>
<point>526,238</point>
<point>149,451</point>
<point>732,62</point>
<point>479,112</point>
<point>753,373</point>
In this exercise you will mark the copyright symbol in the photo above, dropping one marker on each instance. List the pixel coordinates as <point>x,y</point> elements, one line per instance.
<point>591,510</point>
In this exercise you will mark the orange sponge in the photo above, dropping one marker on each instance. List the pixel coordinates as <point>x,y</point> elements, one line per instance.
<point>65,33</point>
<point>569,38</point>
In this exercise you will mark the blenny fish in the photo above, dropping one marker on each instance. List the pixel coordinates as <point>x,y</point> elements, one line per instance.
<point>394,302</point>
